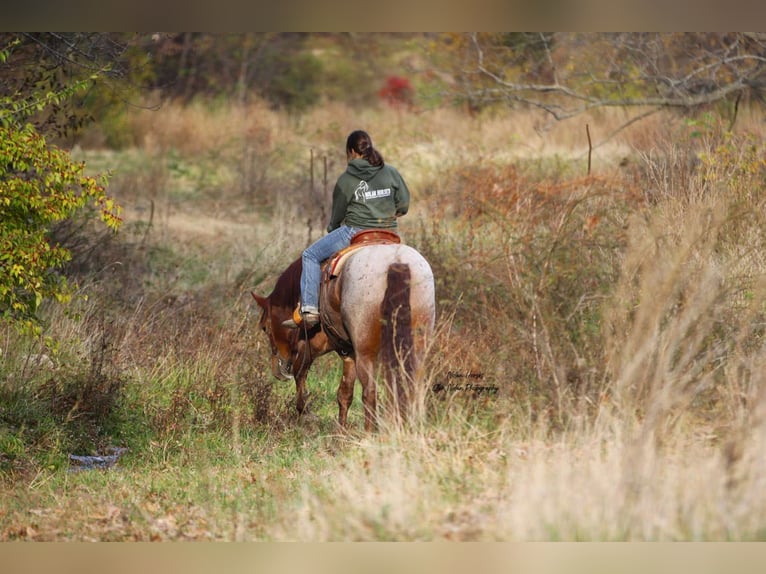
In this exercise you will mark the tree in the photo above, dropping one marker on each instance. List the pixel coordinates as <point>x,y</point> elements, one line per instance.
<point>51,79</point>
<point>566,74</point>
<point>39,186</point>
<point>275,66</point>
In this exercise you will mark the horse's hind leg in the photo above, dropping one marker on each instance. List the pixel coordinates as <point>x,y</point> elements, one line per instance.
<point>365,371</point>
<point>346,390</point>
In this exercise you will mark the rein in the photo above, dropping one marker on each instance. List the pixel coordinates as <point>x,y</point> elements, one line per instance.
<point>295,334</point>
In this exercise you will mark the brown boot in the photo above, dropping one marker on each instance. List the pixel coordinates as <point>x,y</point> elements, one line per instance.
<point>307,320</point>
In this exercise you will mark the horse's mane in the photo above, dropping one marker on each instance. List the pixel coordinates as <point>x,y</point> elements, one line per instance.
<point>287,291</point>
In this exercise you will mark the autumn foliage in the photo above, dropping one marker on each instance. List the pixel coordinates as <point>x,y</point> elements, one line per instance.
<point>40,186</point>
<point>397,92</point>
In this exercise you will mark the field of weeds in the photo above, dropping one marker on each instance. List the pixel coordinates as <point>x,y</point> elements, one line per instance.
<point>598,371</point>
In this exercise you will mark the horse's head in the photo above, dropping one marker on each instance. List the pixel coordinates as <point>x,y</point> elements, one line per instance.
<point>281,339</point>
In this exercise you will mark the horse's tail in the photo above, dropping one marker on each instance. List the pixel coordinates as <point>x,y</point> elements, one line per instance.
<point>396,337</point>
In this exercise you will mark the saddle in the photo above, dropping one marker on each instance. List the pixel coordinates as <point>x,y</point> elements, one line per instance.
<point>329,291</point>
<point>360,239</point>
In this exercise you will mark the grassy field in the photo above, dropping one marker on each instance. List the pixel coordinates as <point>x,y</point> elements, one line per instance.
<point>613,323</point>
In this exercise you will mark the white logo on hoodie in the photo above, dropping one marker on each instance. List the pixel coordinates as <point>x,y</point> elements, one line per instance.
<point>360,193</point>
<point>363,192</point>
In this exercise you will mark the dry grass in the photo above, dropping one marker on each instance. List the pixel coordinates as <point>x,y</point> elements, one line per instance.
<point>615,322</point>
<point>591,483</point>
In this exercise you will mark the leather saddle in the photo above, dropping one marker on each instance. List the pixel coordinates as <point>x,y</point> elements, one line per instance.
<point>329,290</point>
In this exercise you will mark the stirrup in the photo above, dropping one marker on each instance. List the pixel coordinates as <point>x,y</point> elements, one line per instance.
<point>301,319</point>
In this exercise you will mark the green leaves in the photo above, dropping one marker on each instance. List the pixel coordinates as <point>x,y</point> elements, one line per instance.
<point>39,186</point>
<point>15,111</point>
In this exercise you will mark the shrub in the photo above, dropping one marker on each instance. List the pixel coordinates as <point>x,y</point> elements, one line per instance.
<point>527,265</point>
<point>40,185</point>
<point>397,92</point>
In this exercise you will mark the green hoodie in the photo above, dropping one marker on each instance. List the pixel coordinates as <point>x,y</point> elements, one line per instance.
<point>368,196</point>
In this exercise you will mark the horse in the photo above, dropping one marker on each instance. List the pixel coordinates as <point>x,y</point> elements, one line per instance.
<point>377,312</point>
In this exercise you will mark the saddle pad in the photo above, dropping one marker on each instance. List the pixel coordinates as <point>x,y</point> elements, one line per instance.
<point>360,239</point>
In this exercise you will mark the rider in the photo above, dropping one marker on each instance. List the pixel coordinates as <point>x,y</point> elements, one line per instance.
<point>369,195</point>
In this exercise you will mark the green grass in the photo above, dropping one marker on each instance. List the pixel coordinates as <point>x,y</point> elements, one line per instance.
<point>622,329</point>
<point>468,471</point>
<point>190,478</point>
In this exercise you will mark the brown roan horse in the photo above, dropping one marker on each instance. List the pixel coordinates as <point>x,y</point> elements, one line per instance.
<point>377,308</point>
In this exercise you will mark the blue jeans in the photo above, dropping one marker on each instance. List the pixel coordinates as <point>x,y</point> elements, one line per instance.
<point>313,256</point>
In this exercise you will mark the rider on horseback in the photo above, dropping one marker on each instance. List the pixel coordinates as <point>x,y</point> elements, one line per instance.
<point>368,195</point>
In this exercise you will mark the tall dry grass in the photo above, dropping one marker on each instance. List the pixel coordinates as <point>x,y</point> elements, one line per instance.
<point>614,321</point>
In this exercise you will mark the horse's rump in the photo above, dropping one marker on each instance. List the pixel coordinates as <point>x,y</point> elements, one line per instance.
<point>386,300</point>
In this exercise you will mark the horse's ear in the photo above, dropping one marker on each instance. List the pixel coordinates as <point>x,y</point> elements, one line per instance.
<point>262,301</point>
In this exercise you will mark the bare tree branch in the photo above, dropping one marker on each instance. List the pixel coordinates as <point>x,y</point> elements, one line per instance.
<point>581,72</point>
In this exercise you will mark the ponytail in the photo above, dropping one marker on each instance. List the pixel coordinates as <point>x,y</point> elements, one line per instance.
<point>361,142</point>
